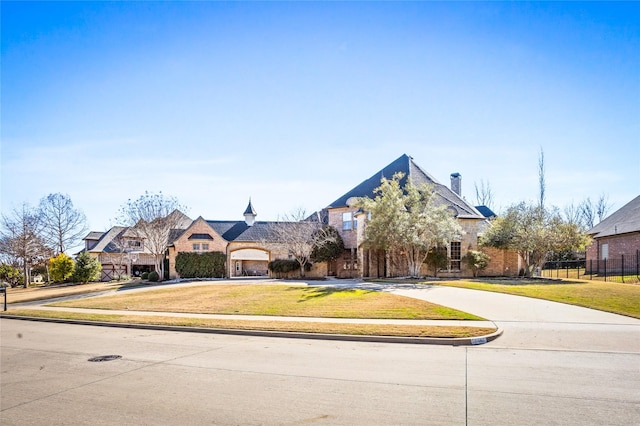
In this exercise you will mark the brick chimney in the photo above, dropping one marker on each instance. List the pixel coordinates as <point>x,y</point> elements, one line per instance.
<point>456,183</point>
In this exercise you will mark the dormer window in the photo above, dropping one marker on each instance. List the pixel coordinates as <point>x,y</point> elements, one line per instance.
<point>201,237</point>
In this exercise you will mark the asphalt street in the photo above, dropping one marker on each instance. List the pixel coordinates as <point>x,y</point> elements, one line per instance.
<point>576,368</point>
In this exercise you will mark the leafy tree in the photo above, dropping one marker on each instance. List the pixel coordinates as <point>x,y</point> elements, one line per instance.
<point>61,267</point>
<point>533,232</point>
<point>476,261</point>
<point>11,274</point>
<point>152,217</point>
<point>62,224</point>
<point>87,268</point>
<point>331,249</point>
<point>437,259</point>
<point>407,220</point>
<point>21,239</point>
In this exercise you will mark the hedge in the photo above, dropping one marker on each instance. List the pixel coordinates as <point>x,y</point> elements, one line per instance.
<point>201,265</point>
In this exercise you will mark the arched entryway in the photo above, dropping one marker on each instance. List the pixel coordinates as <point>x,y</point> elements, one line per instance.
<point>252,262</point>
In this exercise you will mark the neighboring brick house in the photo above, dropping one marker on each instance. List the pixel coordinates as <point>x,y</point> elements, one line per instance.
<point>120,252</point>
<point>617,236</point>
<point>348,219</point>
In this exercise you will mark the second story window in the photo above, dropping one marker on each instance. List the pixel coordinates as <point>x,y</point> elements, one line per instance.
<point>134,243</point>
<point>349,221</point>
<point>196,246</point>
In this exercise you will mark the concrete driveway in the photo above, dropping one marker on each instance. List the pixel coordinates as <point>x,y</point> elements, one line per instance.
<point>527,322</point>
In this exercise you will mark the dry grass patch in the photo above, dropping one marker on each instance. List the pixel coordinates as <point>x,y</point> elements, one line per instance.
<point>623,299</point>
<point>275,300</point>
<point>17,295</point>
<point>283,326</point>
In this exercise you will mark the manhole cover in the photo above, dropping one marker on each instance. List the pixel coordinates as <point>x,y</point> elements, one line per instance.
<point>104,358</point>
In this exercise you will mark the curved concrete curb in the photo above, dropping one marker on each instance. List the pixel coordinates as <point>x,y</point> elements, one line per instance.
<point>453,341</point>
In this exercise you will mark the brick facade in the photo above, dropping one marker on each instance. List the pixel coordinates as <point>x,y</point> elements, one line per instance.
<point>502,263</point>
<point>617,245</point>
<point>184,244</point>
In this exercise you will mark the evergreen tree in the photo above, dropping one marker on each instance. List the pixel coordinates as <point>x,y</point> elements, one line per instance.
<point>87,268</point>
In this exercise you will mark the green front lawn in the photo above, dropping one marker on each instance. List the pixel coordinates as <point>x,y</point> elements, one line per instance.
<point>275,300</point>
<point>623,299</point>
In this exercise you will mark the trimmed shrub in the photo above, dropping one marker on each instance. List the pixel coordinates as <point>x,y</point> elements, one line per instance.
<point>154,276</point>
<point>283,267</point>
<point>201,265</point>
<point>145,276</point>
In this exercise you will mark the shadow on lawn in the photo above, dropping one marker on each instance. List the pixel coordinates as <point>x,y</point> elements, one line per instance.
<point>310,293</point>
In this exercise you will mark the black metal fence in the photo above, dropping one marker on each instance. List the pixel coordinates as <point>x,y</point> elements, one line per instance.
<point>625,269</point>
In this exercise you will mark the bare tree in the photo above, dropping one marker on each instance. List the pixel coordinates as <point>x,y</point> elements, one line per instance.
<point>299,236</point>
<point>62,224</point>
<point>484,194</point>
<point>541,179</point>
<point>21,239</point>
<point>593,212</point>
<point>573,214</point>
<point>152,217</point>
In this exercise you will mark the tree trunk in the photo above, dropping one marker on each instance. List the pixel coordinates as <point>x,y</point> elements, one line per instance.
<point>27,278</point>
<point>160,268</point>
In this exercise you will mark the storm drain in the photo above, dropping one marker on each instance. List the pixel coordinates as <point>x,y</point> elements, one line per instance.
<point>104,358</point>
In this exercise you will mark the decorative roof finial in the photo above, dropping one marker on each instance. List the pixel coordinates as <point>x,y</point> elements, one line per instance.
<point>250,214</point>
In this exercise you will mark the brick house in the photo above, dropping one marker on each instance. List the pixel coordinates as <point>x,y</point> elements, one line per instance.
<point>247,244</point>
<point>249,247</point>
<point>617,236</point>
<point>120,252</point>
<point>360,262</point>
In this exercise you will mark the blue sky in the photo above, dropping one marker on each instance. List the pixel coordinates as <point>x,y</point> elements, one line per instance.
<point>293,104</point>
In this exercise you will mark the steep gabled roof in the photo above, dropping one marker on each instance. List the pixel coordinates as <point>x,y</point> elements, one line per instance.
<point>232,230</point>
<point>106,244</point>
<point>412,172</point>
<point>622,221</point>
<point>93,235</point>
